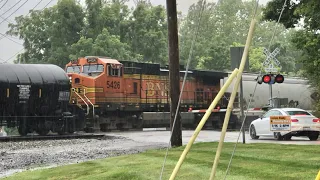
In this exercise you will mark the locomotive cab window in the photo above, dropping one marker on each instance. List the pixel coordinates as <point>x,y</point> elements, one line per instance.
<point>73,69</point>
<point>93,69</point>
<point>114,70</point>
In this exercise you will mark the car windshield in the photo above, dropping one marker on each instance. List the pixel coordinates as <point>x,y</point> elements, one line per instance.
<point>293,113</point>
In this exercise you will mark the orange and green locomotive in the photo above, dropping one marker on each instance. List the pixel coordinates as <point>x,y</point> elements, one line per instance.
<point>124,94</point>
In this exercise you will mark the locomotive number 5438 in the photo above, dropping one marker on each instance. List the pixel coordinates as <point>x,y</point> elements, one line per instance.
<point>113,84</point>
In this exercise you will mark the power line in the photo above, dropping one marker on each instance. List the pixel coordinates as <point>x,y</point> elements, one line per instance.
<point>4,35</point>
<point>4,4</point>
<point>11,7</point>
<point>5,19</point>
<point>26,15</point>
<point>12,56</point>
<point>46,5</point>
<point>14,11</point>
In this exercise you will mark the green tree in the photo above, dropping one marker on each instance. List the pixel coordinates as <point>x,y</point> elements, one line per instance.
<point>148,32</point>
<point>48,34</point>
<point>226,23</point>
<point>93,18</point>
<point>104,45</point>
<point>306,39</point>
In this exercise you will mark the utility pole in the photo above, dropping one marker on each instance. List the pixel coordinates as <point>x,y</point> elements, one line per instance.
<point>242,111</point>
<point>174,72</point>
<point>236,55</point>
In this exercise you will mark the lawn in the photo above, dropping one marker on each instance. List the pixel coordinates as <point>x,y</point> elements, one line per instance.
<point>251,161</point>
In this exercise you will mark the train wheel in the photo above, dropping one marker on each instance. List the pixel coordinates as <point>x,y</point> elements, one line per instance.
<point>71,127</point>
<point>104,127</point>
<point>42,132</point>
<point>121,127</point>
<point>61,128</point>
<point>22,129</point>
<point>138,121</point>
<point>42,129</point>
<point>88,130</point>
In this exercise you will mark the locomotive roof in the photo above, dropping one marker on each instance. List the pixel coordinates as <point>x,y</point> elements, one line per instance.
<point>112,61</point>
<point>219,74</point>
<point>32,74</point>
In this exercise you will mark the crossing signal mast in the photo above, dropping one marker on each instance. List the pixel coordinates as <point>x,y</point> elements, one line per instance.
<point>271,77</point>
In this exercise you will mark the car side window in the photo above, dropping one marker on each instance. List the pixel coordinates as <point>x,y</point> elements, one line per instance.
<point>268,114</point>
<point>277,113</point>
<point>272,113</point>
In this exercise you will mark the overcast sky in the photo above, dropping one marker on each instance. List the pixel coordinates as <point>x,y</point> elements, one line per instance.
<point>10,46</point>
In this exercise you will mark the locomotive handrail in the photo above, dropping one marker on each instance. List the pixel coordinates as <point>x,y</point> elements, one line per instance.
<point>84,93</point>
<point>88,108</point>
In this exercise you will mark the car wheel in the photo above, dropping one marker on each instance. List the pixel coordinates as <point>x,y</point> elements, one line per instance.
<point>278,136</point>
<point>314,136</point>
<point>287,137</point>
<point>253,134</point>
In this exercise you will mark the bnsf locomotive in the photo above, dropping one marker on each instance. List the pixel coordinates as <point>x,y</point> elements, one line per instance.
<point>124,94</point>
<point>100,93</point>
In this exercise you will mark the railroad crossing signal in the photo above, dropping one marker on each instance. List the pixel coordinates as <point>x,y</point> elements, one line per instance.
<point>270,79</point>
<point>271,60</point>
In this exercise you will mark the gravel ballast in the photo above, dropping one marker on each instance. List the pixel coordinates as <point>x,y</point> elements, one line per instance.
<point>19,156</point>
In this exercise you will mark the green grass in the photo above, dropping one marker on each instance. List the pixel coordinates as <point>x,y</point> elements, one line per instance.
<point>251,161</point>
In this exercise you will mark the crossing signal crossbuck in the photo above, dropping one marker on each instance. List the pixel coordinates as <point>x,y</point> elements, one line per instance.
<point>270,79</point>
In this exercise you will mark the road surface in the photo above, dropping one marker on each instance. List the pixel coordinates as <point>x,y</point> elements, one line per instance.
<point>205,136</point>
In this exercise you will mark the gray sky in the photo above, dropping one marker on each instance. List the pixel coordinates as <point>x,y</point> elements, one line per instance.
<point>10,46</point>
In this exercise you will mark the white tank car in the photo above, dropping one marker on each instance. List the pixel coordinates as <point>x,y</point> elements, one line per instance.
<point>296,90</point>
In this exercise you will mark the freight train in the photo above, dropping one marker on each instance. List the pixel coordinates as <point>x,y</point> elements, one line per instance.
<point>101,94</point>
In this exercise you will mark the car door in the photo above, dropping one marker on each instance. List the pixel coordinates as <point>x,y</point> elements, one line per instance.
<point>260,123</point>
<point>265,122</point>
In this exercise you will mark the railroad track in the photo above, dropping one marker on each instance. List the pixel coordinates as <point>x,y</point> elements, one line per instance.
<point>50,137</point>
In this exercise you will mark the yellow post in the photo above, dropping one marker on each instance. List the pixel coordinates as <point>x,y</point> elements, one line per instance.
<point>318,176</point>
<point>230,104</point>
<point>202,122</point>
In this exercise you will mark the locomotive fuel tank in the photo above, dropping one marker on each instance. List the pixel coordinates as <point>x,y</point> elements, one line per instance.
<point>28,91</point>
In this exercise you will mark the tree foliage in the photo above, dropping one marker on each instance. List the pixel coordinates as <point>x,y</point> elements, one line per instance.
<point>109,28</point>
<point>226,24</point>
<point>306,39</point>
<point>104,28</point>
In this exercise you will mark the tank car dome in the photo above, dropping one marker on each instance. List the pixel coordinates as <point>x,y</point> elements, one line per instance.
<point>32,74</point>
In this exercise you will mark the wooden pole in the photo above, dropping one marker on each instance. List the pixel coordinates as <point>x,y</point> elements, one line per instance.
<point>174,72</point>
<point>202,122</point>
<point>231,100</point>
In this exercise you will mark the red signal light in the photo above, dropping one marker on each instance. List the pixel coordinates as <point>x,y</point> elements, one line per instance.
<point>279,78</point>
<point>266,78</point>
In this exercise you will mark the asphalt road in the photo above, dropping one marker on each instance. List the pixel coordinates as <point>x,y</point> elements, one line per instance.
<point>156,136</point>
